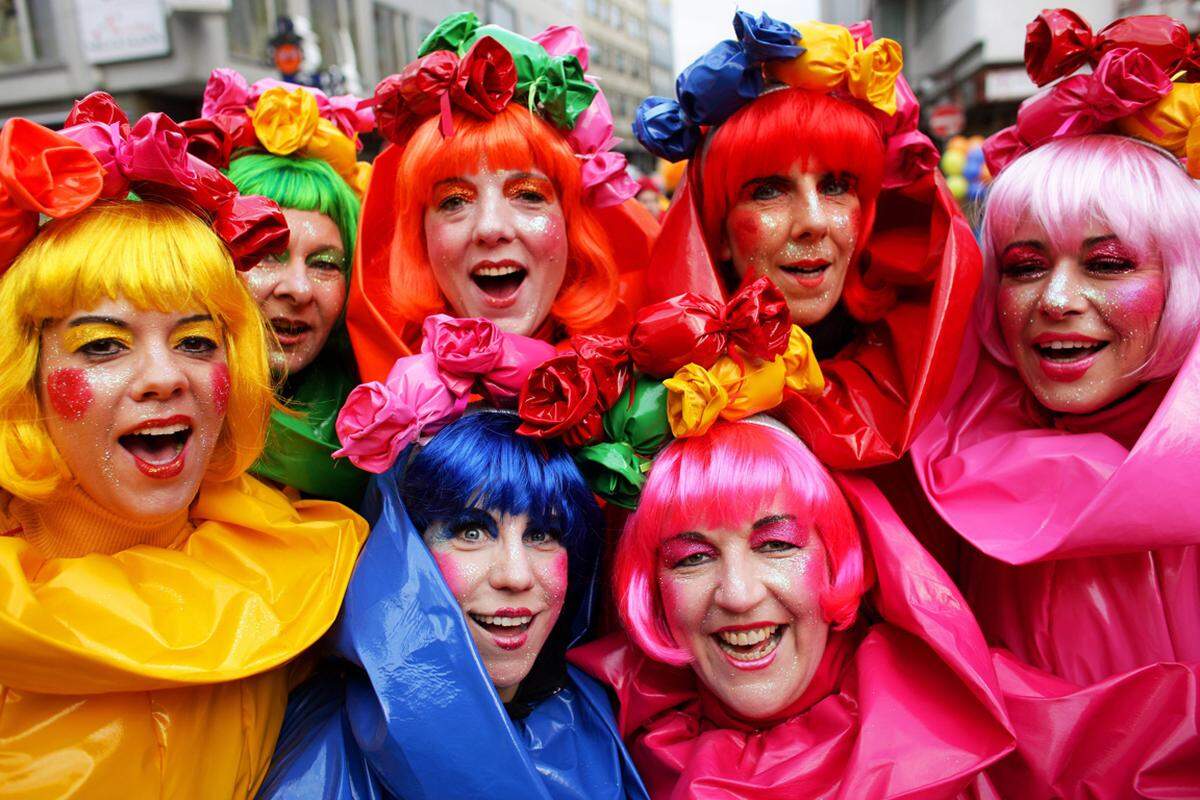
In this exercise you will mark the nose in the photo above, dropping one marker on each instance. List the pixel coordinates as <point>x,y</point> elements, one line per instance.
<point>741,586</point>
<point>809,217</point>
<point>511,570</point>
<point>294,285</point>
<point>1063,295</point>
<point>494,219</point>
<point>159,376</point>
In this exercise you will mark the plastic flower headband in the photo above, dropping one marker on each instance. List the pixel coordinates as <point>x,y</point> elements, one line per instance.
<point>98,156</point>
<point>480,69</point>
<point>424,393</point>
<point>608,396</point>
<point>1129,89</point>
<point>281,118</point>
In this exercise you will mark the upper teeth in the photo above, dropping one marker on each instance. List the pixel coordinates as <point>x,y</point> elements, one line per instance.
<point>747,638</point>
<point>495,272</point>
<point>163,430</point>
<point>1068,345</point>
<point>507,622</point>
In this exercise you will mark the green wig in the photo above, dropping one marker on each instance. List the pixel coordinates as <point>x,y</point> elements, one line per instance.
<point>306,184</point>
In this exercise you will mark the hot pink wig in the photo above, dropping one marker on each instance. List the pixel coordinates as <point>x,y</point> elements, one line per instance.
<point>1139,193</point>
<point>718,481</point>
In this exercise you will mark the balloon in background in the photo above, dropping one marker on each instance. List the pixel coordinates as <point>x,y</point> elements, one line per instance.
<point>953,162</point>
<point>958,185</point>
<point>957,144</point>
<point>973,167</point>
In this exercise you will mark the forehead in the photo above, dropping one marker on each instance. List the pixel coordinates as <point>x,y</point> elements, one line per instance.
<point>311,225</point>
<point>494,177</point>
<point>123,310</point>
<point>1031,230</point>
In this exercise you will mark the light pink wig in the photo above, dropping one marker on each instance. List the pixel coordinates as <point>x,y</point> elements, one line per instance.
<point>1129,187</point>
<point>717,481</point>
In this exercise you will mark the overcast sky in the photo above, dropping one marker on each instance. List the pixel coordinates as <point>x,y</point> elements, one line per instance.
<point>699,24</point>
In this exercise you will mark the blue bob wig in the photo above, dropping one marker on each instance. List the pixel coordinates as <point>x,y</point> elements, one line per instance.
<point>481,461</point>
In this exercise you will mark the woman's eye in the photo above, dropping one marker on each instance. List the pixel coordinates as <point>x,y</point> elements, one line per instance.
<point>1110,266</point>
<point>452,203</point>
<point>542,537</point>
<point>471,533</point>
<point>766,191</point>
<point>836,185</point>
<point>1023,269</point>
<point>693,560</point>
<point>197,345</point>
<point>775,546</point>
<point>103,347</point>
<point>325,265</point>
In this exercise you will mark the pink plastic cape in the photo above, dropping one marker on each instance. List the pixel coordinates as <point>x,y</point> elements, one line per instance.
<point>1085,571</point>
<point>915,712</point>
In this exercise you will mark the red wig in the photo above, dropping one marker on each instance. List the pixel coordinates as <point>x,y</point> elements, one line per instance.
<point>716,481</point>
<point>825,134</point>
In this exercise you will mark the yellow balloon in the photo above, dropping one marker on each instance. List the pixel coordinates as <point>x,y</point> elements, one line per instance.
<point>953,162</point>
<point>958,186</point>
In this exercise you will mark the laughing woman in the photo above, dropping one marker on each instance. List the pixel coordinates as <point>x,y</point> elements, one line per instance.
<point>478,575</point>
<point>1066,459</point>
<point>298,147</point>
<point>151,593</point>
<point>499,196</point>
<point>806,167</point>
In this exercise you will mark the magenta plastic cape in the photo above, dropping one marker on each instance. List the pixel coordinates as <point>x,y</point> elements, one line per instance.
<point>1085,571</point>
<point>914,713</point>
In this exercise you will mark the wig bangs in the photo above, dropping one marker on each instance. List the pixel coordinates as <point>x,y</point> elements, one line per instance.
<point>480,461</point>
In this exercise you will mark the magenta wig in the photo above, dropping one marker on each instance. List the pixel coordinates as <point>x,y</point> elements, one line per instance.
<point>718,481</point>
<point>1135,190</point>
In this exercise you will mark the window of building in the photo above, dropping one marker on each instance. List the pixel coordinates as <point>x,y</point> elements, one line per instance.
<point>391,40</point>
<point>250,24</point>
<point>502,14</point>
<point>26,33</point>
<point>333,22</point>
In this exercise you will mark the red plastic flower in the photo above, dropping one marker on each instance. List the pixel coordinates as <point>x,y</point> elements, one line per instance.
<point>208,141</point>
<point>560,399</point>
<point>252,227</point>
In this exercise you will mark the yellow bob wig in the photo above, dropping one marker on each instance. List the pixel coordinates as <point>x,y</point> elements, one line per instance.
<point>158,257</point>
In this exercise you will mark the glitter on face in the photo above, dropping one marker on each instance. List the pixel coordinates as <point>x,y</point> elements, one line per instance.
<point>500,571</point>
<point>800,230</point>
<point>302,293</point>
<point>723,590</point>
<point>1078,323</point>
<point>70,395</point>
<point>140,446</point>
<point>498,247</point>
<point>220,388</point>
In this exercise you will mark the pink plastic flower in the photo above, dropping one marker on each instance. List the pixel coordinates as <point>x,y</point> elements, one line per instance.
<point>225,93</point>
<point>374,425</point>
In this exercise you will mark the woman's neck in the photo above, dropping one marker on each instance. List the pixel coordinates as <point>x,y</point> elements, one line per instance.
<point>71,524</point>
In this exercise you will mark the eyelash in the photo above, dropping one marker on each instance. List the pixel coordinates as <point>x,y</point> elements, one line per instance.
<point>843,182</point>
<point>92,349</point>
<point>454,201</point>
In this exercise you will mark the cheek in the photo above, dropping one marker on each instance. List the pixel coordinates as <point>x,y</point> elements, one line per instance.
<point>545,237</point>
<point>444,242</point>
<point>1013,304</point>
<point>1133,308</point>
<point>455,573</point>
<point>260,281</point>
<point>330,297</point>
<point>844,221</point>
<point>751,232</point>
<point>684,601</point>
<point>801,582</point>
<point>69,392</point>
<point>552,575</point>
<point>220,387</point>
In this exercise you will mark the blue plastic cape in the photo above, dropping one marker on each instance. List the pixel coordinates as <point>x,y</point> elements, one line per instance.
<point>413,714</point>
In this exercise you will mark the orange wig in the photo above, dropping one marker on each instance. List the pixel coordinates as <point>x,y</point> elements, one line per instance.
<point>394,288</point>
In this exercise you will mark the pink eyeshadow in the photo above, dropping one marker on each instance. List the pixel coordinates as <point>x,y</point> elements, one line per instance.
<point>678,548</point>
<point>784,530</point>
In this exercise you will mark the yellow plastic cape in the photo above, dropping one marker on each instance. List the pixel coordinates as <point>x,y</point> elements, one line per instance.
<point>156,673</point>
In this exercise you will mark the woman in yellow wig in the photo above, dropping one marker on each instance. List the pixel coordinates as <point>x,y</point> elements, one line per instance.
<point>152,594</point>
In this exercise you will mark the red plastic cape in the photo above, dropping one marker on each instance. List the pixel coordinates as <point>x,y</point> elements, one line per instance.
<point>911,709</point>
<point>895,373</point>
<point>377,334</point>
<point>1083,564</point>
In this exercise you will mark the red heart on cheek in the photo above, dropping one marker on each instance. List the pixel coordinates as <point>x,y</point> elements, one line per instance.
<point>220,387</point>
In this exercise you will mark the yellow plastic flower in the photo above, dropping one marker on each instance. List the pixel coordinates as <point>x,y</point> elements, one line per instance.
<point>1173,123</point>
<point>872,74</point>
<point>362,178</point>
<point>822,66</point>
<point>803,372</point>
<point>753,385</point>
<point>695,398</point>
<point>285,121</point>
<point>332,146</point>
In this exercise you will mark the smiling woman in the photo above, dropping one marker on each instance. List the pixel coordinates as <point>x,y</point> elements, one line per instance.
<point>502,200</point>
<point>746,663</point>
<point>153,593</point>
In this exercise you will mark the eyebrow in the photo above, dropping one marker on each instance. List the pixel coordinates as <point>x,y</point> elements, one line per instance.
<point>1095,240</point>
<point>93,319</point>
<point>1024,243</point>
<point>774,519</point>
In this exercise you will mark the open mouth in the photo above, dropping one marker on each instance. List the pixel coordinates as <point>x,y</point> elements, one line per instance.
<point>158,450</point>
<point>509,632</point>
<point>289,331</point>
<point>499,281</point>
<point>807,272</point>
<point>1066,352</point>
<point>747,646</point>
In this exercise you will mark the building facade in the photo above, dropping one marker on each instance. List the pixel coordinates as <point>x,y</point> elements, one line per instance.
<point>157,54</point>
<point>970,53</point>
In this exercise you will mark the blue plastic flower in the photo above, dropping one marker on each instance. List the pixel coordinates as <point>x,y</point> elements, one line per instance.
<point>766,39</point>
<point>718,83</point>
<point>663,129</point>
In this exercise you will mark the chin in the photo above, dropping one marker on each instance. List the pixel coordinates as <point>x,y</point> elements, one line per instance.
<point>809,312</point>
<point>753,703</point>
